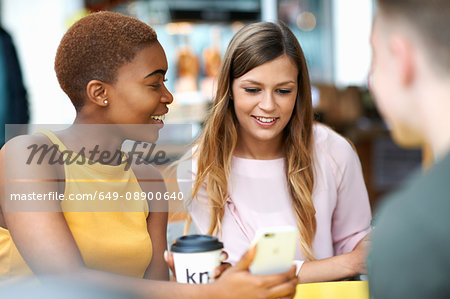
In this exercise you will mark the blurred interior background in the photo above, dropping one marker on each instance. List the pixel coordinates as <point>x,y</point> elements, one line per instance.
<point>333,33</point>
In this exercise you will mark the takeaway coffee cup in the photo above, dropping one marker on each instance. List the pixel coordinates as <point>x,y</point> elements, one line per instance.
<point>195,258</point>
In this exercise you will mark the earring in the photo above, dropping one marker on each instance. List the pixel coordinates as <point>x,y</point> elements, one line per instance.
<point>105,102</point>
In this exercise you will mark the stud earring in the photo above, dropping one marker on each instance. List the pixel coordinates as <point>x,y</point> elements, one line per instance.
<point>105,102</point>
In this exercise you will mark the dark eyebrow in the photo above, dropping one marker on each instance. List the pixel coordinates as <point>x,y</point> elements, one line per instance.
<point>251,81</point>
<point>162,72</point>
<point>257,83</point>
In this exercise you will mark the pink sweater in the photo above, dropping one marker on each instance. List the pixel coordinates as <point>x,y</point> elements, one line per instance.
<point>259,198</point>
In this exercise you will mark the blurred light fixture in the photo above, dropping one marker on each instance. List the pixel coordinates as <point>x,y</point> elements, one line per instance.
<point>236,26</point>
<point>306,21</point>
<point>179,28</point>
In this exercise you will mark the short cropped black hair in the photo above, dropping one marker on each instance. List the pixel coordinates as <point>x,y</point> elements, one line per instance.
<point>95,47</point>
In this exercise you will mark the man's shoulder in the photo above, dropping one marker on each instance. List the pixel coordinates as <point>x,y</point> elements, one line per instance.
<point>410,242</point>
<point>429,189</point>
<point>420,208</point>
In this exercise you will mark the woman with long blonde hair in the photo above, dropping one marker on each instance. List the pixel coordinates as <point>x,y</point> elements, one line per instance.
<point>262,161</point>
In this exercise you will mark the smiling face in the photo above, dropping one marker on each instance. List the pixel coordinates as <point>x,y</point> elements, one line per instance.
<point>264,99</point>
<point>138,96</point>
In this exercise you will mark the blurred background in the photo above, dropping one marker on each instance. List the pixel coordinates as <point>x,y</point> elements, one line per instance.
<point>333,33</point>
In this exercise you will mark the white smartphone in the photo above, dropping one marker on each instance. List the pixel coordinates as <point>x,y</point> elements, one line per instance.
<point>275,249</point>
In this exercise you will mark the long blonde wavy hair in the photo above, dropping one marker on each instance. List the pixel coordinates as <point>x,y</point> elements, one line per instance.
<point>254,45</point>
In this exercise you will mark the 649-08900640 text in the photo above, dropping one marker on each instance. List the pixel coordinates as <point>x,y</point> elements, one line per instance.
<point>54,195</point>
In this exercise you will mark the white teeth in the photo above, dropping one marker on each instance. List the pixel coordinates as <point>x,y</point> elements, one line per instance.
<point>158,117</point>
<point>264,119</point>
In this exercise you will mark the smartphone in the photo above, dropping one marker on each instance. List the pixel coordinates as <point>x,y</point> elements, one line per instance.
<point>275,249</point>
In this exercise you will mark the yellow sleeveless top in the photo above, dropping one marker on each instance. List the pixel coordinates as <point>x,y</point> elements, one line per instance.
<point>110,231</point>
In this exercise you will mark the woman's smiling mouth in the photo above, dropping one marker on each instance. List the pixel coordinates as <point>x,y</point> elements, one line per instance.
<point>158,118</point>
<point>265,121</point>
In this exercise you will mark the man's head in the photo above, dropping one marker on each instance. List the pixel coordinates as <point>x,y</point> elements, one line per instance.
<point>411,48</point>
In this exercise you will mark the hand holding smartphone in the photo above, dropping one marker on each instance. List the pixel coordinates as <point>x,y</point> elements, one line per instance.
<point>275,249</point>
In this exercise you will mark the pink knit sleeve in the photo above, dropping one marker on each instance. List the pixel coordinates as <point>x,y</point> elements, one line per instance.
<point>352,214</point>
